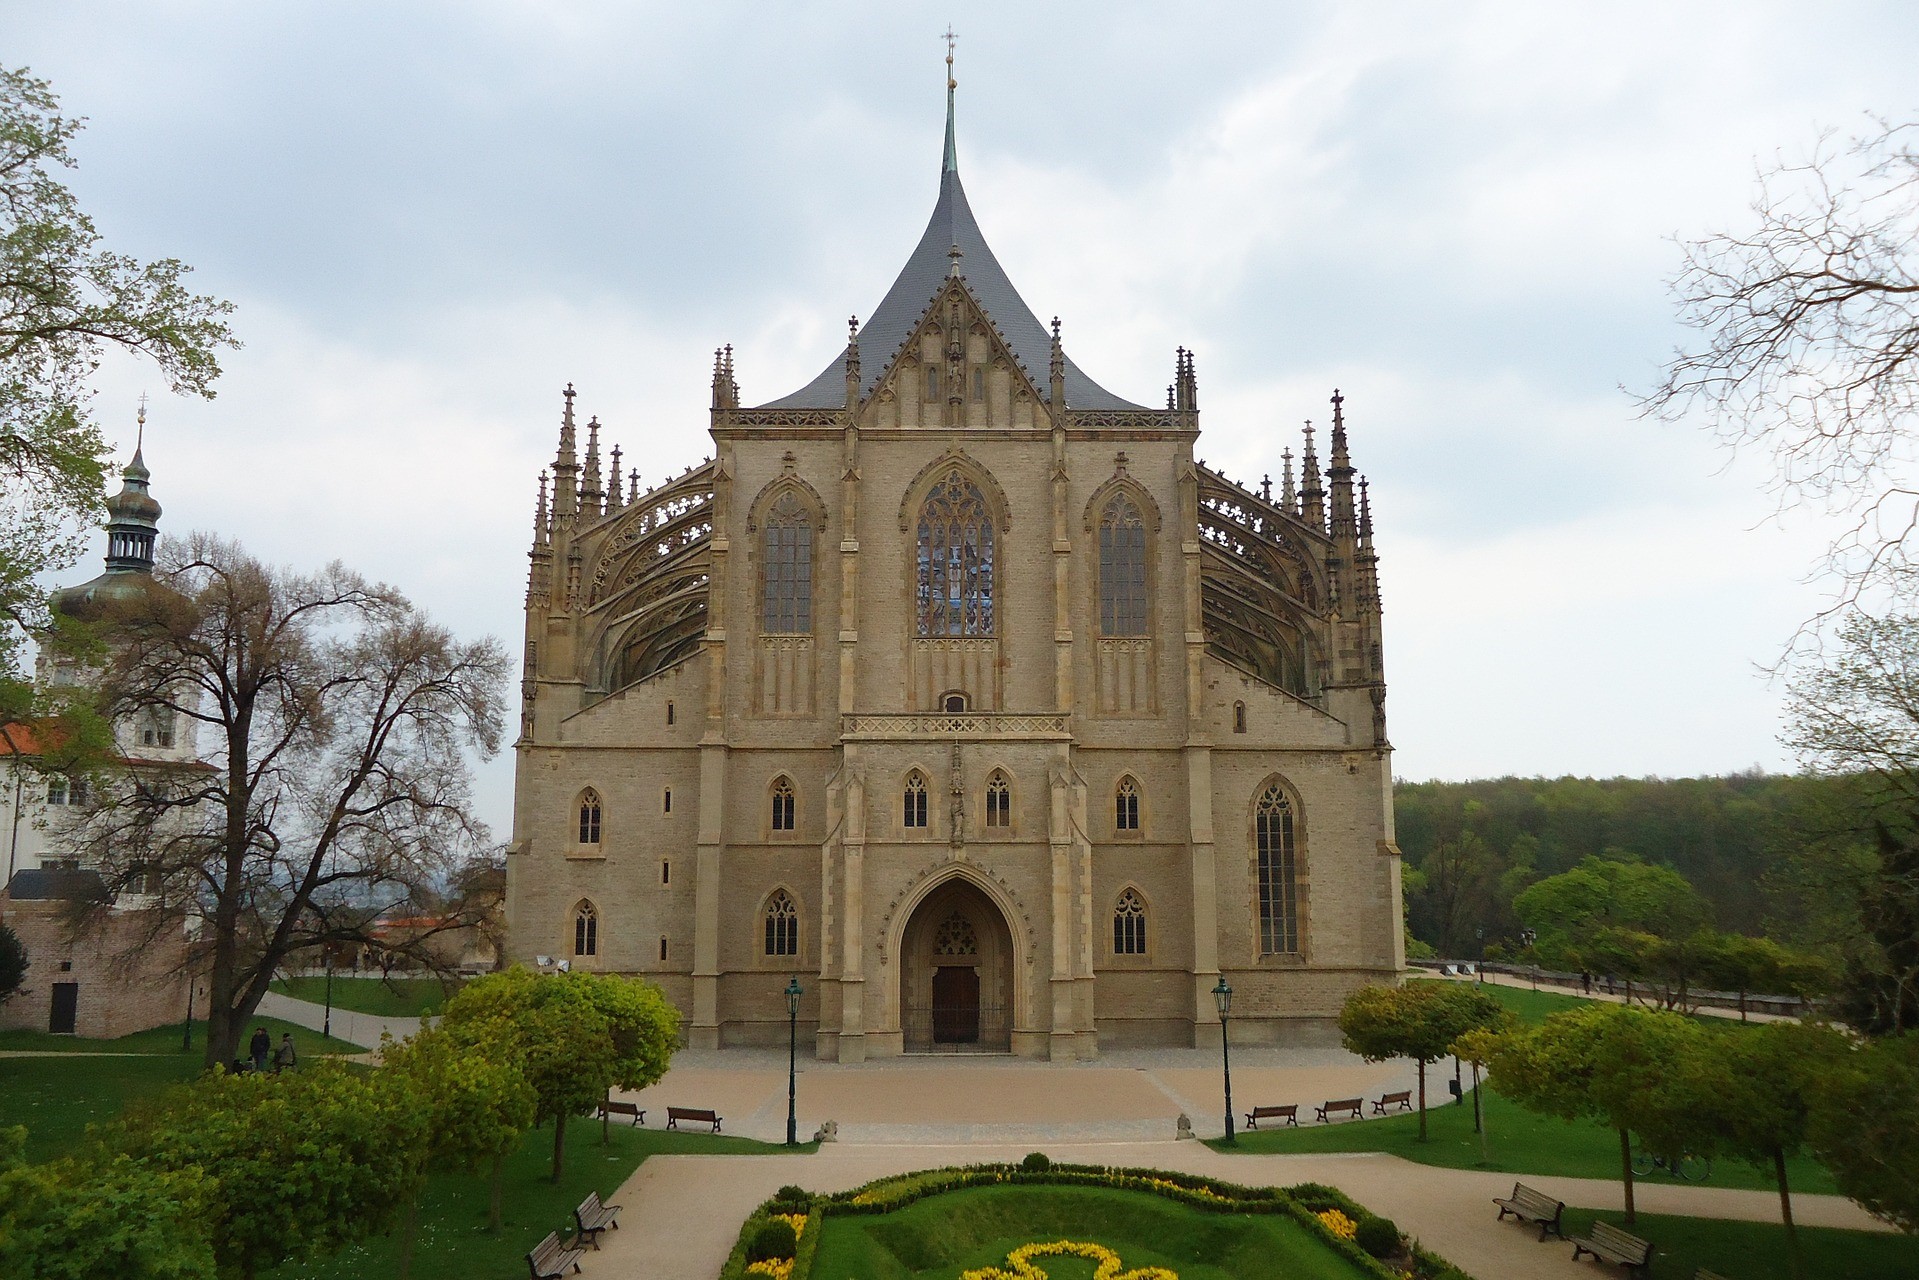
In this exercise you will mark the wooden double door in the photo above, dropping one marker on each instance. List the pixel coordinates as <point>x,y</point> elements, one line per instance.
<point>955,1004</point>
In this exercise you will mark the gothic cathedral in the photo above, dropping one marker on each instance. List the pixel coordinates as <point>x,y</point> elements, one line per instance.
<point>954,686</point>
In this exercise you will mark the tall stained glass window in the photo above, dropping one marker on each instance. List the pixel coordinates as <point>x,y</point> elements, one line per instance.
<point>1129,925</point>
<point>955,588</point>
<point>786,576</point>
<point>1278,874</point>
<point>1122,569</point>
<point>782,925</point>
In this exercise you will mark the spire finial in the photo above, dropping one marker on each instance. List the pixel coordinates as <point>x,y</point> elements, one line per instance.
<point>951,163</point>
<point>955,253</point>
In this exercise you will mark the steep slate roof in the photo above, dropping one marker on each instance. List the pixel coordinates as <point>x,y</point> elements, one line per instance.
<point>922,276</point>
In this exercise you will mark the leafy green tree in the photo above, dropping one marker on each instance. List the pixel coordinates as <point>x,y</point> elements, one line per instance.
<point>1417,1020</point>
<point>13,962</point>
<point>1568,910</point>
<point>477,1110</point>
<point>1865,1128</point>
<point>67,301</point>
<point>298,1163</point>
<point>82,1219</point>
<point>1610,1063</point>
<point>573,1036</point>
<point>1745,965</point>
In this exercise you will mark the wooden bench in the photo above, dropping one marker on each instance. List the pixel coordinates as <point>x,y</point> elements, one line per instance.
<point>612,1108</point>
<point>693,1114</point>
<point>1403,1100</point>
<point>1609,1244</point>
<point>1354,1106</point>
<point>593,1217</point>
<point>1289,1114</point>
<point>550,1258</point>
<point>1528,1205</point>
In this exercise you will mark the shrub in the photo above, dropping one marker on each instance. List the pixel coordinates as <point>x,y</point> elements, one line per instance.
<point>773,1241</point>
<point>1036,1162</point>
<point>1378,1236</point>
<point>790,1194</point>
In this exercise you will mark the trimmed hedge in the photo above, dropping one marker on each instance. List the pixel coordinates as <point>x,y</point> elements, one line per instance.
<point>884,1195</point>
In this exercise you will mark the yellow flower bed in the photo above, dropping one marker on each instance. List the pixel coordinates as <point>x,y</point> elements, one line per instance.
<point>779,1270</point>
<point>1339,1224</point>
<point>1020,1262</point>
<point>797,1221</point>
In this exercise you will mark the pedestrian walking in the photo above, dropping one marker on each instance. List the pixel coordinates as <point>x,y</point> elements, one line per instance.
<point>259,1048</point>
<point>284,1057</point>
<point>1586,981</point>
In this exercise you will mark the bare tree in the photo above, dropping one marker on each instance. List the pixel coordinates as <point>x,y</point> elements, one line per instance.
<point>1809,321</point>
<point>334,729</point>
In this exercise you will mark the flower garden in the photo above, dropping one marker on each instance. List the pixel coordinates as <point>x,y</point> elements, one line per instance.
<point>1042,1221</point>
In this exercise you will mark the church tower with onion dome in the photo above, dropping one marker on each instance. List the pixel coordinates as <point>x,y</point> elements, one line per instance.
<point>954,686</point>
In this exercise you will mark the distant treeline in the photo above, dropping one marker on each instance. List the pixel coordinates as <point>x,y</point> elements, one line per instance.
<point>1471,847</point>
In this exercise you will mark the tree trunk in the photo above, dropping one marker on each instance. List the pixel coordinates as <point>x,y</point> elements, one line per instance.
<point>496,1193</point>
<point>1422,1100</point>
<point>1625,1172</point>
<point>1785,1215</point>
<point>409,1234</point>
<point>559,1144</point>
<point>606,1120</point>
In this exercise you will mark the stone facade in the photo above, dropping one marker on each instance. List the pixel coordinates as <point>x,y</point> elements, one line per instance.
<point>123,969</point>
<point>956,686</point>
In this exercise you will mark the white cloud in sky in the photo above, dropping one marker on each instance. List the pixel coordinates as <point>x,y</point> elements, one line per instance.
<point>435,216</point>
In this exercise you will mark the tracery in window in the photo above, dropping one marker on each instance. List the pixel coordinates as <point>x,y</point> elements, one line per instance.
<point>1129,925</point>
<point>913,812</point>
<point>782,925</point>
<point>782,805</point>
<point>1126,805</point>
<point>586,930</point>
<point>786,573</point>
<point>955,937</point>
<point>1278,874</point>
<point>1122,569</point>
<point>590,816</point>
<point>955,563</point>
<point>999,800</point>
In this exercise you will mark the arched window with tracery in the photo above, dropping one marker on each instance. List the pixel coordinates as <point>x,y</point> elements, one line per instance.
<point>586,930</point>
<point>589,816</point>
<point>1126,805</point>
<point>1274,831</point>
<point>782,925</point>
<point>999,800</point>
<point>955,562</point>
<point>913,810</point>
<point>786,572</point>
<point>1129,925</point>
<point>783,812</point>
<point>1122,569</point>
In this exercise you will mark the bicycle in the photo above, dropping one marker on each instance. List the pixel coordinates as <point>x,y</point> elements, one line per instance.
<point>1686,1168</point>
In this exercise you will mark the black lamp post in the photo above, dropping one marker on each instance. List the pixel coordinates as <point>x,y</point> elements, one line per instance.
<point>793,994</point>
<point>1223,997</point>
<point>326,1023</point>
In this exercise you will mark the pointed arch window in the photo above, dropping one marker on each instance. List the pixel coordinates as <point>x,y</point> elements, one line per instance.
<point>786,572</point>
<point>1122,569</point>
<point>1129,925</point>
<point>1126,805</point>
<point>782,805</point>
<point>1274,832</point>
<point>782,925</point>
<point>913,811</point>
<point>999,800</point>
<point>586,930</point>
<point>955,561</point>
<point>589,816</point>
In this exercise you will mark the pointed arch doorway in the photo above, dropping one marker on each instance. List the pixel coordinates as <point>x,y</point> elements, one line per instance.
<point>956,971</point>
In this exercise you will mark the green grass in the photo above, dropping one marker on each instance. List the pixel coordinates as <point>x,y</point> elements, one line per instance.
<point>1520,1142</point>
<point>454,1242</point>
<point>942,1235</point>
<point>381,997</point>
<point>1757,1250</point>
<point>166,1040</point>
<point>57,1098</point>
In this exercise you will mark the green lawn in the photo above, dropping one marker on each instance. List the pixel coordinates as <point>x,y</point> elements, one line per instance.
<point>454,1242</point>
<point>166,1040</point>
<point>1757,1250</point>
<point>383,998</point>
<point>57,1098</point>
<point>1520,1142</point>
<point>942,1235</point>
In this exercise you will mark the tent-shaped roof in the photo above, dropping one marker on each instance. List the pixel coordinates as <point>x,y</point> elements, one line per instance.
<point>951,226</point>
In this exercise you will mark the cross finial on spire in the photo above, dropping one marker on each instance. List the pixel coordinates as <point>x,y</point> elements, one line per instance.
<point>951,164</point>
<point>140,426</point>
<point>955,253</point>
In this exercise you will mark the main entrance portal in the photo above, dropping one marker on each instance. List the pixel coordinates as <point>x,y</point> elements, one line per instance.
<point>956,974</point>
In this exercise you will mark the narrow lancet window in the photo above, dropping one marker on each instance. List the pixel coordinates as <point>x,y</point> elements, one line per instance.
<point>913,812</point>
<point>1129,925</point>
<point>955,565</point>
<point>787,571</point>
<point>586,930</point>
<point>1278,874</point>
<point>782,925</point>
<point>1126,805</point>
<point>590,817</point>
<point>999,801</point>
<point>1122,569</point>
<point>782,805</point>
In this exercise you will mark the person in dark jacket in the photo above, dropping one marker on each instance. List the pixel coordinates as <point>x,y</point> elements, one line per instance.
<point>284,1057</point>
<point>259,1048</point>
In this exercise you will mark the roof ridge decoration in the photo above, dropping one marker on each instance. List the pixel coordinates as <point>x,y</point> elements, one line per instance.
<point>927,269</point>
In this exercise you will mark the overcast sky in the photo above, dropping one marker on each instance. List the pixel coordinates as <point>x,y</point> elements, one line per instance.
<point>434,216</point>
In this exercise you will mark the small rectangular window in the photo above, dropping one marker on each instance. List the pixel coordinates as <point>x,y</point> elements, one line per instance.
<point>666,801</point>
<point>77,791</point>
<point>56,790</point>
<point>669,713</point>
<point>666,873</point>
<point>662,948</point>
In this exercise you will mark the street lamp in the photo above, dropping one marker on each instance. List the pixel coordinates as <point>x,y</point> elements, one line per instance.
<point>793,994</point>
<point>1223,997</point>
<point>326,1027</point>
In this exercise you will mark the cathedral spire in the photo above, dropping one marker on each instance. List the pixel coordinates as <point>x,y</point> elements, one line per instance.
<point>613,502</point>
<point>539,514</point>
<point>852,363</point>
<point>1312,498</point>
<point>1288,498</point>
<point>566,466</point>
<point>591,494</point>
<point>1340,477</point>
<point>950,164</point>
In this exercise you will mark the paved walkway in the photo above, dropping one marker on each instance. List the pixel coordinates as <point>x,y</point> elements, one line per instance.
<point>363,1029</point>
<point>1618,996</point>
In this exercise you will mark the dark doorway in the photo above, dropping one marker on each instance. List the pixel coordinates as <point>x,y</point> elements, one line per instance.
<point>955,1004</point>
<point>66,1008</point>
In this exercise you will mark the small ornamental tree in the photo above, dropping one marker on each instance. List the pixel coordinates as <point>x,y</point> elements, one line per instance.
<point>13,962</point>
<point>1419,1020</point>
<point>1865,1128</point>
<point>1571,910</point>
<point>1610,1063</point>
<point>71,1219</point>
